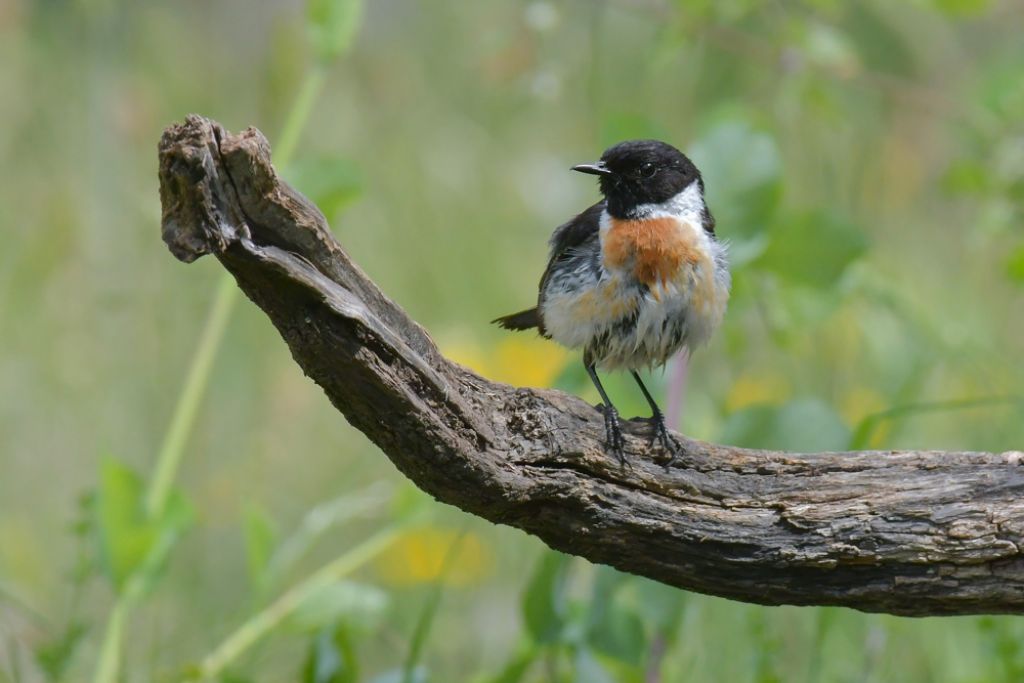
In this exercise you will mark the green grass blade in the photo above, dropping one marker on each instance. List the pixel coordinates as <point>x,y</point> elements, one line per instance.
<point>258,626</point>
<point>866,428</point>
<point>426,618</point>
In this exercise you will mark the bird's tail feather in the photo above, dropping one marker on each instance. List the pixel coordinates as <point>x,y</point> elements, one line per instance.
<point>523,320</point>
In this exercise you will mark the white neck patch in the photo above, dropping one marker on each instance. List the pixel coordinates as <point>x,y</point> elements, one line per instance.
<point>687,205</point>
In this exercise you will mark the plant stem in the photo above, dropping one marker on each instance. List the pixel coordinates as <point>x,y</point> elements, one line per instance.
<point>109,665</point>
<point>107,668</point>
<point>265,621</point>
<point>309,92</point>
<point>198,377</point>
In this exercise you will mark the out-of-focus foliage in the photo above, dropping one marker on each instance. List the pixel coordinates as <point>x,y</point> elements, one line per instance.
<point>332,26</point>
<point>129,542</point>
<point>865,161</point>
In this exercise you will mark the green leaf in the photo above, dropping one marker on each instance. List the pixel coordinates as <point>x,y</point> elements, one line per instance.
<point>177,517</point>
<point>1015,265</point>
<point>544,609</point>
<point>331,183</point>
<point>812,249</point>
<point>962,8</point>
<point>331,658</point>
<point>125,535</point>
<point>967,177</point>
<point>620,635</point>
<point>55,657</point>
<point>806,425</point>
<point>614,629</point>
<point>410,503</point>
<point>233,677</point>
<point>888,49</point>
<point>518,665</point>
<point>260,539</point>
<point>742,170</point>
<point>129,543</point>
<point>332,26</point>
<point>1000,91</point>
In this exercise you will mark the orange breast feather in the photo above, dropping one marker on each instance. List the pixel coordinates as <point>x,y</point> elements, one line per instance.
<point>656,247</point>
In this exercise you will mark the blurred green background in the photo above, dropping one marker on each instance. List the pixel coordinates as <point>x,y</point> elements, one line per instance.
<point>865,160</point>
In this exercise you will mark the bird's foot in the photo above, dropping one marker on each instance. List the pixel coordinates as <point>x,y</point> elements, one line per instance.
<point>669,443</point>
<point>613,434</point>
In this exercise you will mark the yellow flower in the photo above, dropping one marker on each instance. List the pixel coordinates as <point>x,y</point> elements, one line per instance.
<point>428,555</point>
<point>522,359</point>
<point>528,360</point>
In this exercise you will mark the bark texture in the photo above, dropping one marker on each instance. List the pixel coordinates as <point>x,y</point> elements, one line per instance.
<point>905,532</point>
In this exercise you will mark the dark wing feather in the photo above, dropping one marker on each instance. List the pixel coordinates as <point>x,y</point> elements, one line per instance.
<point>572,234</point>
<point>566,236</point>
<point>575,232</point>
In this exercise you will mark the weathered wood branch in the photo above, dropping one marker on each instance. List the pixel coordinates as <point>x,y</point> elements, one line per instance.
<point>914,533</point>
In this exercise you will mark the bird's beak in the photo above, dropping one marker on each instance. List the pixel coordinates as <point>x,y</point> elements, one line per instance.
<point>597,168</point>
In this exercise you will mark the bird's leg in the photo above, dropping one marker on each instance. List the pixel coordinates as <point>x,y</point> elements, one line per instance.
<point>613,432</point>
<point>668,442</point>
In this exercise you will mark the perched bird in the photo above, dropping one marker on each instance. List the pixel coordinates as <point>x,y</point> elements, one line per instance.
<point>637,276</point>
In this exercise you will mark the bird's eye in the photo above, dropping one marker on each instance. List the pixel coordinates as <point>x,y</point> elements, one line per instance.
<point>647,170</point>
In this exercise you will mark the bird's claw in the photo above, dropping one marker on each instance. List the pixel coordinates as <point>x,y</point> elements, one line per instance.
<point>613,434</point>
<point>669,443</point>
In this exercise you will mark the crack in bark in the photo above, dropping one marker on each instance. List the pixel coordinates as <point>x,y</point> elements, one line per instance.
<point>602,475</point>
<point>911,532</point>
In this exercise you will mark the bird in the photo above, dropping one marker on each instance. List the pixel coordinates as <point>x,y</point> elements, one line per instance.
<point>636,277</point>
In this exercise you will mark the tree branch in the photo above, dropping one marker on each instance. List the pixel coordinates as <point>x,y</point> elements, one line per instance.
<point>906,532</point>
